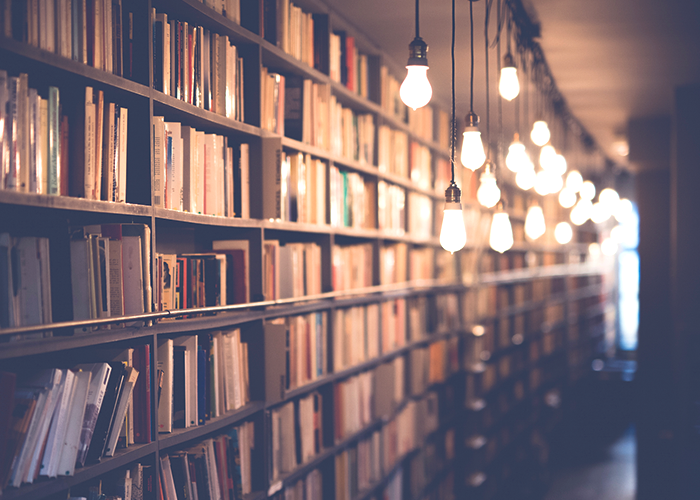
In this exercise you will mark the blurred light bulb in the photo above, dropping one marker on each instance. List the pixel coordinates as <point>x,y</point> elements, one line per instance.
<point>559,166</point>
<point>542,183</point>
<point>415,90</point>
<point>616,234</point>
<point>600,213</point>
<point>623,210</point>
<point>540,133</point>
<point>525,178</point>
<point>473,156</point>
<point>581,212</point>
<point>587,191</point>
<point>608,247</point>
<point>609,198</point>
<point>594,250</point>
<point>453,234</point>
<point>534,222</point>
<point>508,86</point>
<point>547,157</point>
<point>517,158</point>
<point>563,233</point>
<point>574,181</point>
<point>488,193</point>
<point>501,237</point>
<point>554,182</point>
<point>567,197</point>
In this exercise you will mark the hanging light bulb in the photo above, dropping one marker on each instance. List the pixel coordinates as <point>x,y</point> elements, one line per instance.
<point>525,178</point>
<point>473,156</point>
<point>559,164</point>
<point>574,181</point>
<point>623,210</point>
<point>415,90</point>
<point>581,212</point>
<point>534,222</point>
<point>594,251</point>
<point>540,133</point>
<point>508,86</point>
<point>600,213</point>
<point>501,236</point>
<point>608,246</point>
<point>488,193</point>
<point>554,183</point>
<point>453,235</point>
<point>587,191</point>
<point>542,183</point>
<point>567,197</point>
<point>517,156</point>
<point>563,233</point>
<point>609,198</point>
<point>547,157</point>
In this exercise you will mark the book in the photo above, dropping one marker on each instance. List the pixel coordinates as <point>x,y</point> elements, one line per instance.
<point>98,387</point>
<point>130,378</point>
<point>71,440</point>
<point>165,401</point>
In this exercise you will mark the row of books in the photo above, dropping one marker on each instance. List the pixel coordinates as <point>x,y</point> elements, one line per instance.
<point>98,33</point>
<point>420,165</point>
<point>391,208</point>
<point>203,377</point>
<point>62,418</point>
<point>347,65</point>
<point>433,364</point>
<point>25,281</point>
<point>306,107</point>
<point>393,151</point>
<point>198,172</point>
<point>356,336</point>
<point>393,263</point>
<point>420,215</point>
<point>216,278</point>
<point>421,121</point>
<point>353,199</point>
<point>297,434</point>
<point>359,467</point>
<point>390,98</point>
<point>110,270</point>
<point>134,483</point>
<point>306,488</point>
<point>197,66</point>
<point>302,190</point>
<point>216,468</point>
<point>306,352</point>
<point>352,134</point>
<point>352,266</point>
<point>420,263</point>
<point>291,270</point>
<point>353,404</point>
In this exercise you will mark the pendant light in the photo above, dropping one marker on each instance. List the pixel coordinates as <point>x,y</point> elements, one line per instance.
<point>587,191</point>
<point>535,225</point>
<point>501,236</point>
<point>526,177</point>
<point>473,156</point>
<point>547,157</point>
<point>567,197</point>
<point>508,86</point>
<point>540,133</point>
<point>581,211</point>
<point>517,158</point>
<point>415,90</point>
<point>563,233</point>
<point>488,193</point>
<point>574,181</point>
<point>453,235</point>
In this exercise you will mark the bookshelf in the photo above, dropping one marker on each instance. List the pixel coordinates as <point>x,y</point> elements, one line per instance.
<point>489,391</point>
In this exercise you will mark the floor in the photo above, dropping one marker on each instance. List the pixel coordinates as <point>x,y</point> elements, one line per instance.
<point>605,474</point>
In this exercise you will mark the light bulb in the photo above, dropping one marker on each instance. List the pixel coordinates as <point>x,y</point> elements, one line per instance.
<point>501,236</point>
<point>600,213</point>
<point>525,178</point>
<point>542,183</point>
<point>616,234</point>
<point>508,86</point>
<point>554,182</point>
<point>587,191</point>
<point>594,251</point>
<point>623,210</point>
<point>609,198</point>
<point>415,90</point>
<point>547,157</point>
<point>453,235</point>
<point>540,133</point>
<point>517,158</point>
<point>581,212</point>
<point>574,181</point>
<point>559,164</point>
<point>563,233</point>
<point>473,156</point>
<point>488,193</point>
<point>567,197</point>
<point>534,222</point>
<point>608,247</point>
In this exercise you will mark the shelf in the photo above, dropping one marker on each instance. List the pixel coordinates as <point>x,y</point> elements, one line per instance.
<point>68,203</point>
<point>43,488</point>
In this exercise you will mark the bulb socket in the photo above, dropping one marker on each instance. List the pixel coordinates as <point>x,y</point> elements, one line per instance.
<point>417,52</point>
<point>452,193</point>
<point>472,120</point>
<point>508,61</point>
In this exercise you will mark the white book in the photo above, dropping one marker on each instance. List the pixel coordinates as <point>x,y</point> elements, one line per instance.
<point>159,152</point>
<point>165,404</point>
<point>209,174</point>
<point>229,372</point>
<point>21,461</point>
<point>214,486</point>
<point>238,394</point>
<point>71,439</point>
<point>42,150</point>
<point>176,187</point>
<point>167,478</point>
<point>123,136</point>
<point>189,169</point>
<point>200,173</point>
<point>90,146</point>
<point>245,180</point>
<point>132,275</point>
<point>59,425</point>
<point>33,123</point>
<point>98,386</point>
<point>23,132</point>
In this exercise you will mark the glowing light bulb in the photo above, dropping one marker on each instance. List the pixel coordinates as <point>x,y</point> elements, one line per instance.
<point>554,182</point>
<point>501,236</point>
<point>508,86</point>
<point>525,178</point>
<point>594,251</point>
<point>567,197</point>
<point>600,212</point>
<point>542,183</point>
<point>488,193</point>
<point>559,164</point>
<point>547,157</point>
<point>574,181</point>
<point>623,211</point>
<point>415,90</point>
<point>473,156</point>
<point>453,234</point>
<point>608,247</point>
<point>581,212</point>
<point>534,222</point>
<point>540,133</point>
<point>563,233</point>
<point>517,158</point>
<point>587,191</point>
<point>609,198</point>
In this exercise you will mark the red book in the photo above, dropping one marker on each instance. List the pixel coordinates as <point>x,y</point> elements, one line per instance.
<point>350,62</point>
<point>220,445</point>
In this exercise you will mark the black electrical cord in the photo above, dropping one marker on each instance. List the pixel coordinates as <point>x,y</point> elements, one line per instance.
<point>417,21</point>
<point>454,118</point>
<point>471,34</point>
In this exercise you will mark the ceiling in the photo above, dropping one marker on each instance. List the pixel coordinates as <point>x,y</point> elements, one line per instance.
<point>611,60</point>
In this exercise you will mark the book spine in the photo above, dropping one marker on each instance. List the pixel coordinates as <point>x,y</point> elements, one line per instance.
<point>54,173</point>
